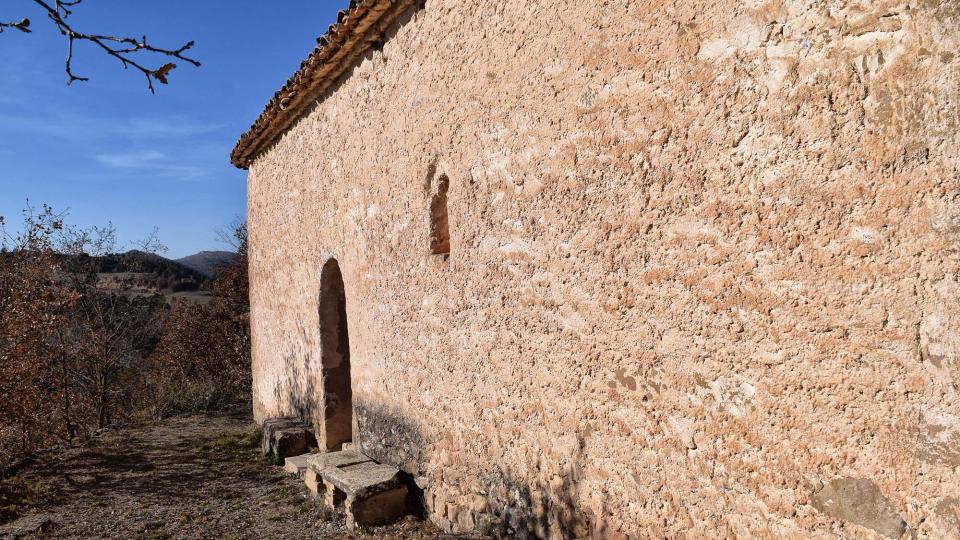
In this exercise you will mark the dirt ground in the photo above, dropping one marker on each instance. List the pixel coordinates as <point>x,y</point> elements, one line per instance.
<point>187,477</point>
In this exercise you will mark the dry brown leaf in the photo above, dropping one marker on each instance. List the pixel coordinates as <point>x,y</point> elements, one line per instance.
<point>161,73</point>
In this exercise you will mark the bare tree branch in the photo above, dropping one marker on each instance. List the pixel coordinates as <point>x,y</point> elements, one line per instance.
<point>152,243</point>
<point>23,26</point>
<point>124,49</point>
<point>234,235</point>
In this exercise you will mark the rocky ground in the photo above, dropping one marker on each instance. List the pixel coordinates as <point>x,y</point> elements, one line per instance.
<point>188,477</point>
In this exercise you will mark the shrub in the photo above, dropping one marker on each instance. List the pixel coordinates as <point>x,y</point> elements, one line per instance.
<point>75,358</point>
<point>202,361</point>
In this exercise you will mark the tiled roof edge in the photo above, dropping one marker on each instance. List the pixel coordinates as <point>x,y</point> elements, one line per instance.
<point>358,28</point>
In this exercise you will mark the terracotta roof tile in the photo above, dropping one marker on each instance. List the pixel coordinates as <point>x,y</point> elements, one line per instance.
<point>357,29</point>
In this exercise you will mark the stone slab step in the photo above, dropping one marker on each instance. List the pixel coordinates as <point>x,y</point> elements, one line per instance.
<point>286,437</point>
<point>369,493</point>
<point>333,460</point>
<point>297,464</point>
<point>360,480</point>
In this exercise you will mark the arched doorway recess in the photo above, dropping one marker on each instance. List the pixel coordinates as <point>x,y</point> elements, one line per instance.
<point>335,354</point>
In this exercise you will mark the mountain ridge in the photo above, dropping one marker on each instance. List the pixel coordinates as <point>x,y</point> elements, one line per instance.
<point>206,262</point>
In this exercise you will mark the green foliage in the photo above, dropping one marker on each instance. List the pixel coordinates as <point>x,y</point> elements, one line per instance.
<point>16,495</point>
<point>326,514</point>
<point>237,444</point>
<point>202,360</point>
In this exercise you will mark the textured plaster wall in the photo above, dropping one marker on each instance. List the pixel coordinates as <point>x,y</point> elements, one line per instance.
<point>703,275</point>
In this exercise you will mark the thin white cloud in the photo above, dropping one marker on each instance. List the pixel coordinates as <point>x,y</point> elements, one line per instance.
<point>69,125</point>
<point>151,127</point>
<point>151,163</point>
<point>134,160</point>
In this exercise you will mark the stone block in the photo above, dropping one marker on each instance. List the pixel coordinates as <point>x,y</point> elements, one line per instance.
<point>270,426</point>
<point>362,480</point>
<point>452,512</point>
<point>297,464</point>
<point>313,482</point>
<point>381,508</point>
<point>290,442</point>
<point>333,497</point>
<point>334,460</point>
<point>370,493</point>
<point>860,501</point>
<point>286,437</point>
<point>465,520</point>
<point>442,523</point>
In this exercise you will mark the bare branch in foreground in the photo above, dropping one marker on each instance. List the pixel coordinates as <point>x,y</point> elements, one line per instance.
<point>23,26</point>
<point>127,50</point>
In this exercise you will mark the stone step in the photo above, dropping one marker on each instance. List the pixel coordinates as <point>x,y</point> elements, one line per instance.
<point>369,493</point>
<point>286,437</point>
<point>297,464</point>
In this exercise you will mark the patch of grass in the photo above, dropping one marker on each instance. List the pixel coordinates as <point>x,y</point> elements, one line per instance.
<point>153,530</point>
<point>17,495</point>
<point>485,528</point>
<point>279,514</point>
<point>282,493</point>
<point>191,518</point>
<point>237,443</point>
<point>154,535</point>
<point>327,514</point>
<point>252,437</point>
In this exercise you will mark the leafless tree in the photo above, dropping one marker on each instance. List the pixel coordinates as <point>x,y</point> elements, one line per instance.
<point>234,235</point>
<point>127,50</point>
<point>151,243</point>
<point>75,356</point>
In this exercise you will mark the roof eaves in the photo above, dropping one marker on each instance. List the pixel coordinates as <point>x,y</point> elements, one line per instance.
<point>357,29</point>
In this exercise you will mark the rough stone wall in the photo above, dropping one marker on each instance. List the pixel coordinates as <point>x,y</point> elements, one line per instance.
<point>703,275</point>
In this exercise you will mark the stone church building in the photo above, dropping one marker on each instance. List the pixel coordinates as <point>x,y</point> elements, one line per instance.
<point>623,268</point>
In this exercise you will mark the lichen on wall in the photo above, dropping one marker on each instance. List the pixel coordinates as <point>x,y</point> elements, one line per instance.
<point>704,265</point>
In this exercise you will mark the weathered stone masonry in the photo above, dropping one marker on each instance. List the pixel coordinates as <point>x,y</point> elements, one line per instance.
<point>703,260</point>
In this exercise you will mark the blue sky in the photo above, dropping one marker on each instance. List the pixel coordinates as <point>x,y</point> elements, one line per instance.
<point>107,149</point>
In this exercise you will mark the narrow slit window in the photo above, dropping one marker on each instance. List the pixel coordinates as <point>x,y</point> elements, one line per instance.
<point>439,220</point>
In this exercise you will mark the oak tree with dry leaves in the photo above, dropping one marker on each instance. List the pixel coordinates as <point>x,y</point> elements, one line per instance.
<point>76,357</point>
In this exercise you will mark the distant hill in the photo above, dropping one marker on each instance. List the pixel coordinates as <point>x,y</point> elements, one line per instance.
<point>136,273</point>
<point>206,262</point>
<point>145,273</point>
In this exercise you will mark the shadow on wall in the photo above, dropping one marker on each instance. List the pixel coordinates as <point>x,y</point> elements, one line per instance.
<point>512,507</point>
<point>299,390</point>
<point>388,436</point>
<point>303,399</point>
<point>335,358</point>
<point>330,410</point>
